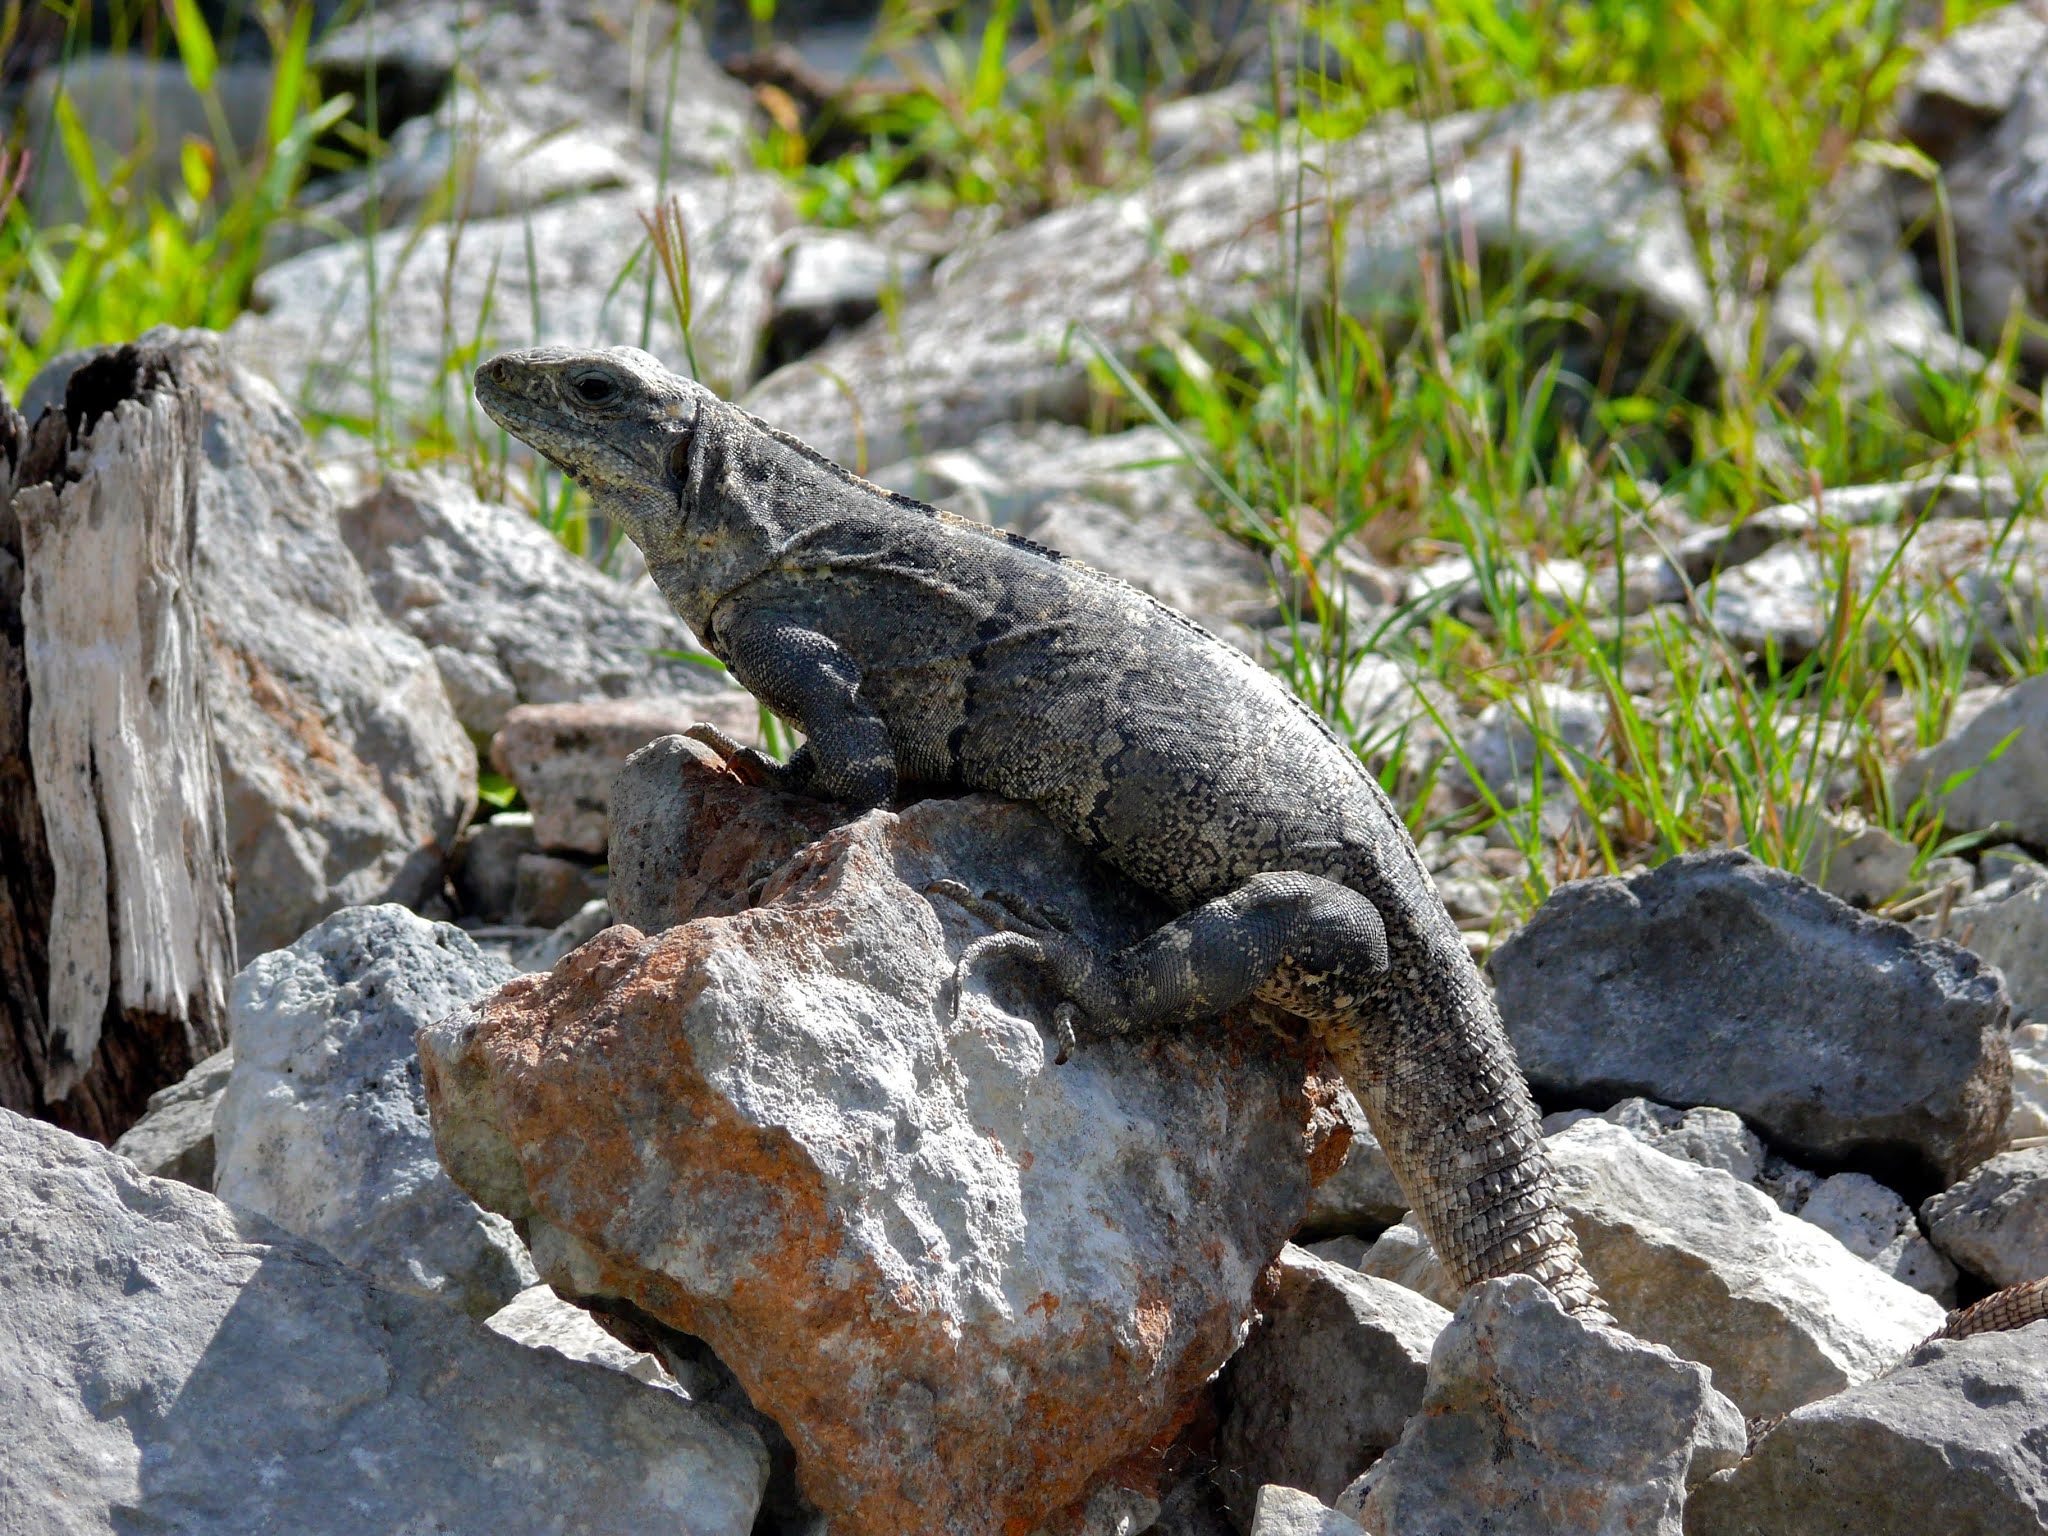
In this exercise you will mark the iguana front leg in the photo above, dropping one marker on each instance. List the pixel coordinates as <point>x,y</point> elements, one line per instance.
<point>808,680</point>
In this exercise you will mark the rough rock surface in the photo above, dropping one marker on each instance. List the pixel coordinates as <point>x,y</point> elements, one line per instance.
<point>1325,1382</point>
<point>323,1127</point>
<point>1877,1226</point>
<point>564,757</point>
<point>2011,931</point>
<point>1715,980</point>
<point>1690,1258</point>
<point>1960,777</point>
<point>180,1366</point>
<point>689,840</point>
<point>509,614</point>
<point>1951,1441</point>
<point>963,1281</point>
<point>1284,1511</point>
<point>345,772</point>
<point>1995,1222</point>
<point>174,1137</point>
<point>1534,1421</point>
<point>540,1319</point>
<point>1361,1197</point>
<point>2029,1082</point>
<point>548,276</point>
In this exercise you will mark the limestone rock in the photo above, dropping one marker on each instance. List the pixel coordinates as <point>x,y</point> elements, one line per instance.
<point>174,1137</point>
<point>994,341</point>
<point>564,757</point>
<point>1877,1226</point>
<point>323,1127</point>
<point>1500,749</point>
<point>1325,1382</point>
<point>510,616</point>
<point>179,1364</point>
<point>1403,1255</point>
<point>2029,1082</point>
<point>1970,79</point>
<point>2011,932</point>
<point>1715,980</point>
<point>540,1319</point>
<point>1950,1441</point>
<point>1992,770</point>
<point>1995,1222</point>
<point>1284,1511</point>
<point>1534,1421</point>
<point>1125,504</point>
<point>962,1280</point>
<point>1690,1258</point>
<point>548,276</point>
<point>832,280</point>
<point>1361,1196</point>
<point>345,772</point>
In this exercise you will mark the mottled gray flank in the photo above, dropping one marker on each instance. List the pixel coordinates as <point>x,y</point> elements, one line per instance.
<point>912,647</point>
<point>1536,1422</point>
<point>1715,980</point>
<point>1951,1442</point>
<point>323,1127</point>
<point>177,1366</point>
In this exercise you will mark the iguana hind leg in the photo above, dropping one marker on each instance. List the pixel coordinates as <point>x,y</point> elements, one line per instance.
<point>1412,1028</point>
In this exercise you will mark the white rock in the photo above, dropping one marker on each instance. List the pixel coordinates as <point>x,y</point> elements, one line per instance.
<point>177,1363</point>
<point>2012,933</point>
<point>323,1127</point>
<point>1877,1226</point>
<point>1284,1511</point>
<point>540,1319</point>
<point>2029,1082</point>
<point>1973,789</point>
<point>1536,1422</point>
<point>1993,766</point>
<point>312,319</point>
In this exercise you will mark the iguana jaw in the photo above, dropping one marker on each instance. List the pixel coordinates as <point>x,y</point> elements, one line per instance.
<point>614,420</point>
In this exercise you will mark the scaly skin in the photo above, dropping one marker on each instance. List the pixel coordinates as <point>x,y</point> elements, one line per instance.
<point>914,648</point>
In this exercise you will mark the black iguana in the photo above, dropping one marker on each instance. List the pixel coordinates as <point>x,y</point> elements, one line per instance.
<point>912,647</point>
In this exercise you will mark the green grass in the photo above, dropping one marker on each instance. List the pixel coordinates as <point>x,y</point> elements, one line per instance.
<point>1459,432</point>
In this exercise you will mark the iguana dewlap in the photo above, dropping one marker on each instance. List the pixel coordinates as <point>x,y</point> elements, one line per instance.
<point>915,648</point>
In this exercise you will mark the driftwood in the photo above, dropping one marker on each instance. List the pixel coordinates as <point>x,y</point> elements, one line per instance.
<point>116,924</point>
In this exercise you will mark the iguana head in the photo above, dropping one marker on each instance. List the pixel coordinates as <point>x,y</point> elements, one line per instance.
<point>658,454</point>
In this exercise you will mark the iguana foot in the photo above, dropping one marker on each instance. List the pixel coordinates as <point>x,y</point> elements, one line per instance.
<point>1025,932</point>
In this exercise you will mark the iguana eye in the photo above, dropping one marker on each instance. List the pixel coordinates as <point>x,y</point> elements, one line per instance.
<point>594,388</point>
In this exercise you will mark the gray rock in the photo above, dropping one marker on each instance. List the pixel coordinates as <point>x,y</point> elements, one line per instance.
<point>832,280</point>
<point>1690,1258</point>
<point>1537,1422</point>
<point>1284,1511</point>
<point>139,110</point>
<point>174,1137</point>
<point>549,891</point>
<point>2011,932</point>
<point>564,757</point>
<point>1950,1441</point>
<point>1713,1138</point>
<point>1715,980</point>
<point>1995,1222</point>
<point>510,616</point>
<point>994,340</point>
<point>1502,750</point>
<point>1125,504</point>
<point>1580,187</point>
<point>485,873</point>
<point>1970,80</point>
<point>590,273</point>
<point>345,772</point>
<point>1403,1255</point>
<point>323,1127</point>
<point>177,1364</point>
<point>1992,768</point>
<point>1324,1383</point>
<point>583,925</point>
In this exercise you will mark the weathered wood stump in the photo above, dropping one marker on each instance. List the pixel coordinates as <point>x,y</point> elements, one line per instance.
<point>116,922</point>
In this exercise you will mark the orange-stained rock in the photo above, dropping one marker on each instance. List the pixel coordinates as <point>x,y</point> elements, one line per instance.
<point>965,1281</point>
